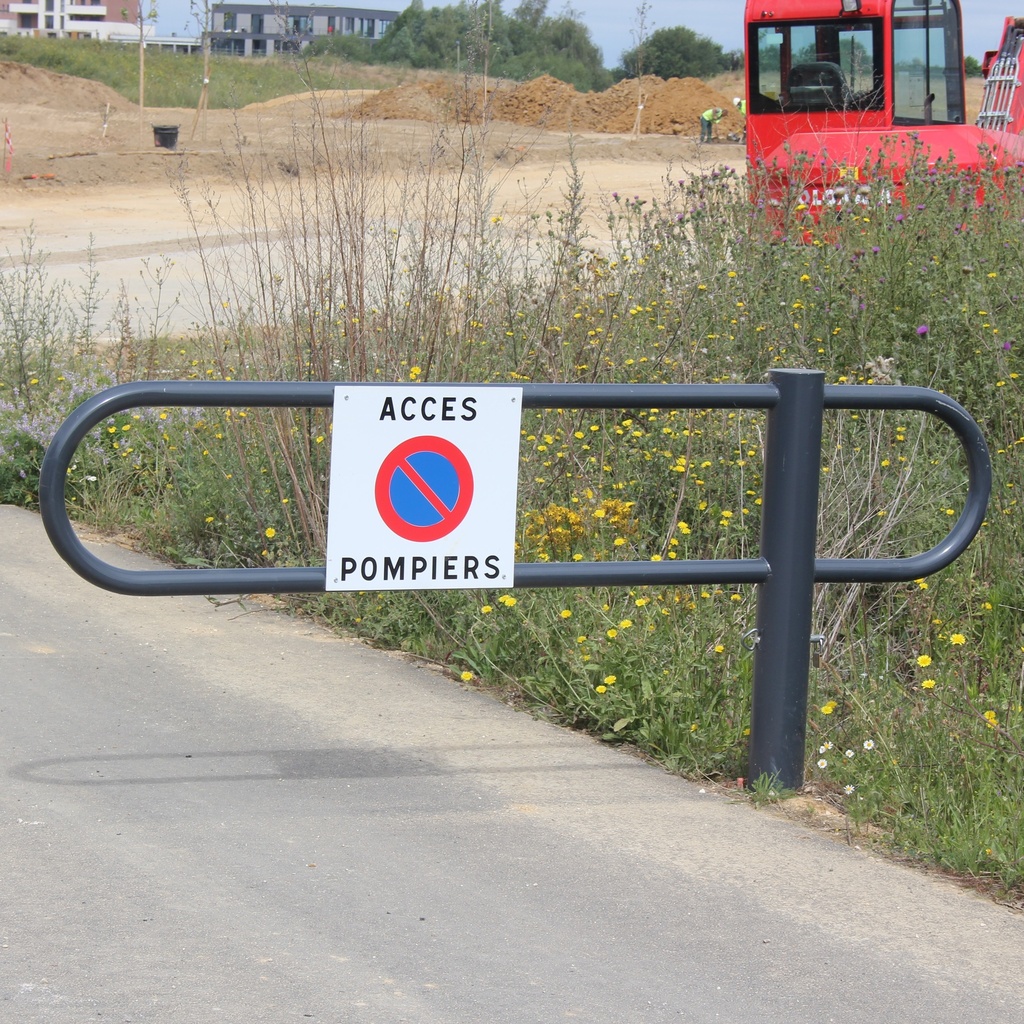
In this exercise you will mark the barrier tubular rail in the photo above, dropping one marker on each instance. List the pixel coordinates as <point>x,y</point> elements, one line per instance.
<point>786,569</point>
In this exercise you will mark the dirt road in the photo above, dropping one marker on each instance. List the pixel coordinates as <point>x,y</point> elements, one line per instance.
<point>225,814</point>
<point>86,178</point>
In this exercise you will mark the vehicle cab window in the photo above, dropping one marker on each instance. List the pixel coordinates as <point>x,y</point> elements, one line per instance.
<point>927,62</point>
<point>818,66</point>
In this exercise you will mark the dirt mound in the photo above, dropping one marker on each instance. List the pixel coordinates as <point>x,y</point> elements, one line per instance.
<point>335,98</point>
<point>420,101</point>
<point>676,107</point>
<point>665,108</point>
<point>31,86</point>
<point>543,102</point>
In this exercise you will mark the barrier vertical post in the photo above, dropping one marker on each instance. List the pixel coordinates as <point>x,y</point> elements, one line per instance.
<point>778,724</point>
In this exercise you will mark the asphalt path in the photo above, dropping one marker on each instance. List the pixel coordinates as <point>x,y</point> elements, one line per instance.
<point>219,814</point>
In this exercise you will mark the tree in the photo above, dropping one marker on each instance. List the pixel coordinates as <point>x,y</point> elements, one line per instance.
<point>641,30</point>
<point>675,53</point>
<point>522,45</point>
<point>202,12</point>
<point>142,16</point>
<point>531,12</point>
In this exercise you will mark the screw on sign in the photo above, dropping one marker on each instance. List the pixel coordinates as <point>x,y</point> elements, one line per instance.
<point>424,488</point>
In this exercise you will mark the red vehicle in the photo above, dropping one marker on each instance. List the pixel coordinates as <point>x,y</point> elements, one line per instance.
<point>844,91</point>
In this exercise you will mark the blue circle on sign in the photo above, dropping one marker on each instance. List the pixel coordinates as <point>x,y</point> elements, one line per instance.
<point>410,502</point>
<point>424,488</point>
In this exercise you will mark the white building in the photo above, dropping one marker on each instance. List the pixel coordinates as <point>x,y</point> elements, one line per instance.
<point>69,19</point>
<point>262,29</point>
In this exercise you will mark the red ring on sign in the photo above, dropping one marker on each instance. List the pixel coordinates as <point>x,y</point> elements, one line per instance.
<point>397,461</point>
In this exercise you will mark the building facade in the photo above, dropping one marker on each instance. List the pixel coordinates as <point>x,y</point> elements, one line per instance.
<point>249,30</point>
<point>70,19</point>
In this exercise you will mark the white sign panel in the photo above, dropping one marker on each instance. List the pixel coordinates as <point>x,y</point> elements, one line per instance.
<point>423,487</point>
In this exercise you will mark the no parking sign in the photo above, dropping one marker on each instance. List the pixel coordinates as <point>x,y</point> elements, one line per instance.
<point>423,487</point>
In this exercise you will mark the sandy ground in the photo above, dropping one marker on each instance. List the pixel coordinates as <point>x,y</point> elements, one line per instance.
<point>86,175</point>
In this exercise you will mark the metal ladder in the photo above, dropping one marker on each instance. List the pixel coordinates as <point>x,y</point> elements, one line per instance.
<point>1002,84</point>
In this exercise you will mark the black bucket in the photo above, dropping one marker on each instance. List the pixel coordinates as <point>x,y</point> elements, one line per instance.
<point>165,135</point>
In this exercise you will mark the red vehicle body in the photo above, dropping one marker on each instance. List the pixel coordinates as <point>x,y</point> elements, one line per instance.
<point>842,91</point>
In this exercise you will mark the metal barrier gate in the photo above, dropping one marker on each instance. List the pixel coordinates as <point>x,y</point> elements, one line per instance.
<point>786,570</point>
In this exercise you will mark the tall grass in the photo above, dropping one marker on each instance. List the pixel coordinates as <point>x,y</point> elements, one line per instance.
<point>175,79</point>
<point>370,270</point>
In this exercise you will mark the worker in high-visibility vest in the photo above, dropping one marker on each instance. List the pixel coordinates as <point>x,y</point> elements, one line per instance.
<point>741,108</point>
<point>708,120</point>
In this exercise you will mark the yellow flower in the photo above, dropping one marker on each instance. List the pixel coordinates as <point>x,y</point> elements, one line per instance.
<point>625,623</point>
<point>928,684</point>
<point>827,709</point>
<point>486,610</point>
<point>612,634</point>
<point>270,533</point>
<point>957,639</point>
<point>565,613</point>
<point>601,689</point>
<point>507,600</point>
<point>466,676</point>
<point>991,719</point>
<point>610,680</point>
<point>924,660</point>
<point>719,648</point>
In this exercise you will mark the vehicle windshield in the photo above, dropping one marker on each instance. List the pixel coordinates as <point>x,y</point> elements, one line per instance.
<point>817,66</point>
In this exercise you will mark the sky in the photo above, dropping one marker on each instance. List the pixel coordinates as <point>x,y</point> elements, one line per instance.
<point>613,23</point>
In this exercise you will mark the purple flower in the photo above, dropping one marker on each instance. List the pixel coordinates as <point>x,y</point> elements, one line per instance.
<point>1007,345</point>
<point>923,329</point>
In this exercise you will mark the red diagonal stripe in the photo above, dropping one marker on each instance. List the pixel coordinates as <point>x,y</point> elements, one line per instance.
<point>425,489</point>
